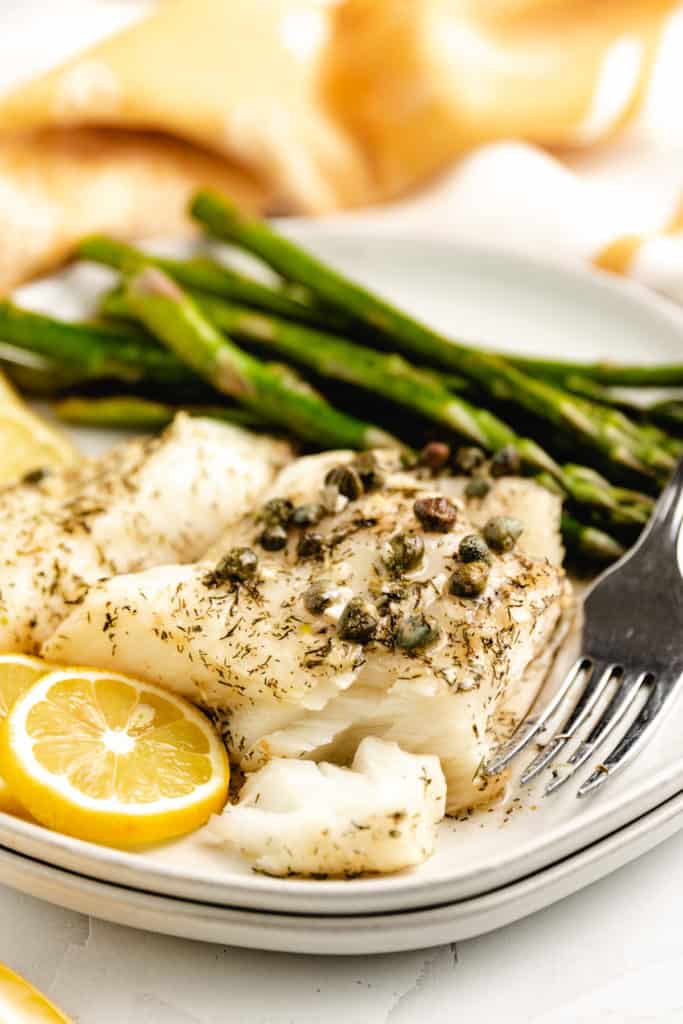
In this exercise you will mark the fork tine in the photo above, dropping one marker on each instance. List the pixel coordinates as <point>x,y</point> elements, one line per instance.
<point>613,714</point>
<point>531,725</point>
<point>601,673</point>
<point>639,734</point>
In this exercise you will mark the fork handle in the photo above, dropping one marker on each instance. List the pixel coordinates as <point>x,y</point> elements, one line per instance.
<point>667,517</point>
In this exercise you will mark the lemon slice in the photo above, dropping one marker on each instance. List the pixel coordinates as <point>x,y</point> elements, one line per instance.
<point>17,673</point>
<point>21,1003</point>
<point>113,760</point>
<point>27,442</point>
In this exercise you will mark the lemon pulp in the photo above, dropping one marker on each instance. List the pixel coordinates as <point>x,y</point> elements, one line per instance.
<point>112,759</point>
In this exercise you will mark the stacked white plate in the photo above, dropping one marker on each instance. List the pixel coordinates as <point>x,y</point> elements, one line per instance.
<point>493,866</point>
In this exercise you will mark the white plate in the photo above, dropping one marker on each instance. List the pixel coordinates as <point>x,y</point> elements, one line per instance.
<point>348,935</point>
<point>512,303</point>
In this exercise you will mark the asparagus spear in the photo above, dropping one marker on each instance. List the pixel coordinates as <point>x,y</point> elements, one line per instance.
<point>176,320</point>
<point>203,275</point>
<point>127,412</point>
<point>606,374</point>
<point>396,379</point>
<point>92,351</point>
<point>638,457</point>
<point>589,543</point>
<point>650,419</point>
<point>423,391</point>
<point>668,412</point>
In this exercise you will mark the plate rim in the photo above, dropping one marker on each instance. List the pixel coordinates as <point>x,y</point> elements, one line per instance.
<point>351,934</point>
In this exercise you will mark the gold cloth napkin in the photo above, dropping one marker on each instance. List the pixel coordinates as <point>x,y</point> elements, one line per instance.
<point>304,105</point>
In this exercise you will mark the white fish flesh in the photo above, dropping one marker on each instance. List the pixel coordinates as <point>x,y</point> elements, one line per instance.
<point>303,818</point>
<point>281,681</point>
<point>147,502</point>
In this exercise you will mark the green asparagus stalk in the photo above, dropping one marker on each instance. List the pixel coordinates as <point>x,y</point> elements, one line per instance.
<point>650,419</point>
<point>128,412</point>
<point>606,374</point>
<point>174,318</point>
<point>201,274</point>
<point>420,390</point>
<point>588,543</point>
<point>668,413</point>
<point>638,457</point>
<point>92,351</point>
<point>394,378</point>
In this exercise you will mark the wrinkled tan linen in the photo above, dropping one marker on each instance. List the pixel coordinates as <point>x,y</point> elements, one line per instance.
<point>303,105</point>
<point>56,186</point>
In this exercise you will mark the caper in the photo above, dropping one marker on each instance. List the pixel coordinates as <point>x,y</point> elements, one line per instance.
<point>469,458</point>
<point>346,480</point>
<point>35,476</point>
<point>307,515</point>
<point>311,545</point>
<point>368,470</point>
<point>415,632</point>
<point>437,515</point>
<point>277,512</point>
<point>434,455</point>
<point>273,538</point>
<point>402,552</point>
<point>506,462</point>
<point>474,548</point>
<point>468,579</point>
<point>319,596</point>
<point>477,487</point>
<point>502,533</point>
<point>358,622</point>
<point>240,564</point>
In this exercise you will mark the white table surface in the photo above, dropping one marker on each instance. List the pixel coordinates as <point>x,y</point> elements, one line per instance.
<point>610,954</point>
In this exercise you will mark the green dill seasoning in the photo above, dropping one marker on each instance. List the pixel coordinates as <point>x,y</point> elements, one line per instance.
<point>277,512</point>
<point>358,622</point>
<point>506,462</point>
<point>346,480</point>
<point>436,515</point>
<point>415,632</point>
<point>311,545</point>
<point>307,515</point>
<point>367,468</point>
<point>477,487</point>
<point>319,596</point>
<point>469,458</point>
<point>239,565</point>
<point>474,548</point>
<point>434,456</point>
<point>402,553</point>
<point>502,533</point>
<point>469,579</point>
<point>273,538</point>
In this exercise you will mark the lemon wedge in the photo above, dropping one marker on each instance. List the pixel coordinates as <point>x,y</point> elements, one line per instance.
<point>21,1003</point>
<point>110,759</point>
<point>17,673</point>
<point>27,442</point>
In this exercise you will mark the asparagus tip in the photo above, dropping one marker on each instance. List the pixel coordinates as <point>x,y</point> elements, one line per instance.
<point>152,281</point>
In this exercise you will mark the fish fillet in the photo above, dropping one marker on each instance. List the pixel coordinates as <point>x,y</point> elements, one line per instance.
<point>281,682</point>
<point>147,502</point>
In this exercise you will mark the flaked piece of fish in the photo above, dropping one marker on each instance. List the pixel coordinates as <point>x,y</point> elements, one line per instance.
<point>302,818</point>
<point>146,502</point>
<point>283,682</point>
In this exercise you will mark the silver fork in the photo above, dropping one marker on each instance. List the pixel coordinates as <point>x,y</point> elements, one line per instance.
<point>632,638</point>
